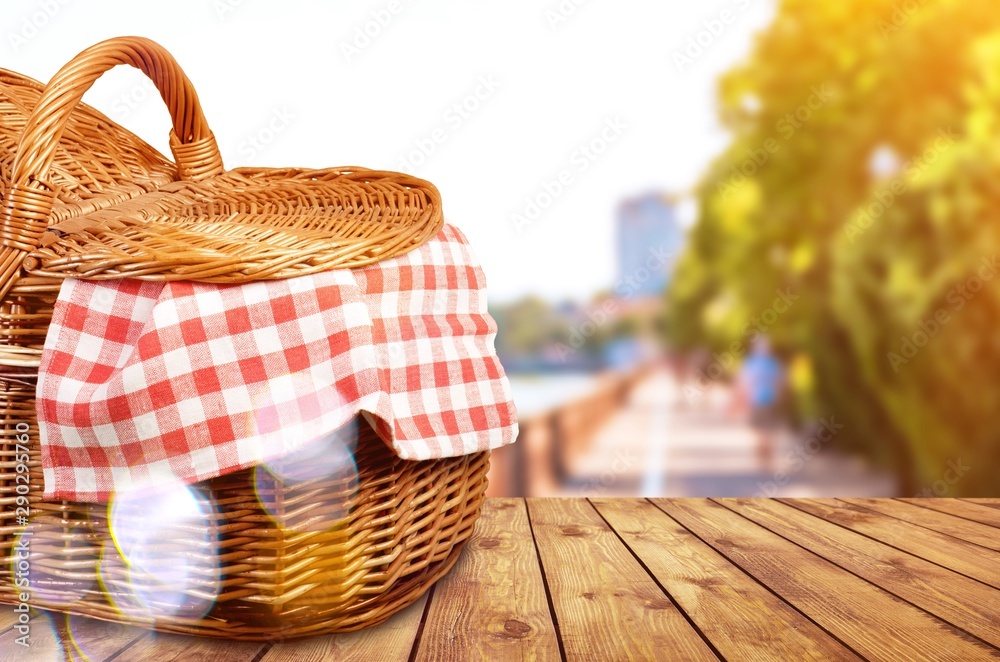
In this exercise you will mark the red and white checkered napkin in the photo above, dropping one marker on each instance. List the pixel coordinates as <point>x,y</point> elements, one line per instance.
<point>145,383</point>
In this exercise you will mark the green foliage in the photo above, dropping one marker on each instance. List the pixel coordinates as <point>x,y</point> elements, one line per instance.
<point>527,326</point>
<point>875,256</point>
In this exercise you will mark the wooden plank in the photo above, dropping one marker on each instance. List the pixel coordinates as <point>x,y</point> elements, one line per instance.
<point>392,640</point>
<point>178,648</point>
<point>44,642</point>
<point>973,511</point>
<point>8,617</point>
<point>492,605</point>
<point>99,640</point>
<point>989,503</point>
<point>874,623</point>
<point>933,520</point>
<point>960,556</point>
<point>739,616</point>
<point>963,602</point>
<point>607,607</point>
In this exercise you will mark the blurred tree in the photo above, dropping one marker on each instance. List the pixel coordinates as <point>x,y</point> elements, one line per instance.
<point>527,326</point>
<point>863,178</point>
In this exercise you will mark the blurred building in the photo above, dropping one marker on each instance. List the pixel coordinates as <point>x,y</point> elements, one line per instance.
<point>649,238</point>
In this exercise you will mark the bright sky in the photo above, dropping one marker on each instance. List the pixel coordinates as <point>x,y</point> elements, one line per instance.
<point>292,83</point>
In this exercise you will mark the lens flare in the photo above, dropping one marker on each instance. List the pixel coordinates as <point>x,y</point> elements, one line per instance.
<point>330,457</point>
<point>292,410</point>
<point>163,556</point>
<point>324,466</point>
<point>291,420</point>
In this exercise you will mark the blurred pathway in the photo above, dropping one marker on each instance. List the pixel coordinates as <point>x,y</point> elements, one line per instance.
<point>662,445</point>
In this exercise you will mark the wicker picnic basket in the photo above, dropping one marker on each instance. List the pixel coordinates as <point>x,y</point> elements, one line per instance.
<point>84,198</point>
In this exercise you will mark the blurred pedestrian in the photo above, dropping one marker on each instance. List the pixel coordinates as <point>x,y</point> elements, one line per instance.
<point>760,388</point>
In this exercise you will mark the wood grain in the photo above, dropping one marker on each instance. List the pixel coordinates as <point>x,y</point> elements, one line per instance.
<point>630,579</point>
<point>742,618</point>
<point>963,602</point>
<point>960,556</point>
<point>989,503</point>
<point>158,647</point>
<point>871,621</point>
<point>8,617</point>
<point>973,532</point>
<point>392,640</point>
<point>44,642</point>
<point>964,509</point>
<point>607,607</point>
<point>99,640</point>
<point>493,605</point>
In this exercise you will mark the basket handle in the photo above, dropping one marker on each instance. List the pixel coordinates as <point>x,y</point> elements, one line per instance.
<point>27,203</point>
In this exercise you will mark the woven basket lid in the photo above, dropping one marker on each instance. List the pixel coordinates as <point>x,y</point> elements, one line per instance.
<point>205,224</point>
<point>246,225</point>
<point>96,164</point>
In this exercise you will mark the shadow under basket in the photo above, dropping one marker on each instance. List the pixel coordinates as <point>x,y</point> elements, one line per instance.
<point>276,559</point>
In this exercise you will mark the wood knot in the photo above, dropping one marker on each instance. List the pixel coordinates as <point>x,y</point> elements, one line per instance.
<point>516,629</point>
<point>589,596</point>
<point>573,531</point>
<point>661,603</point>
<point>488,543</point>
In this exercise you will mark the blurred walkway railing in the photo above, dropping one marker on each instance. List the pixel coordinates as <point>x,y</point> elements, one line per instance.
<point>549,441</point>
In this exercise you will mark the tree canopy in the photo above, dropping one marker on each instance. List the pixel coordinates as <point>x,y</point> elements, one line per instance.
<point>864,177</point>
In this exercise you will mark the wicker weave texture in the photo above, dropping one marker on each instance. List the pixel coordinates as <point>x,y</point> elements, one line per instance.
<point>97,164</point>
<point>267,557</point>
<point>82,197</point>
<point>249,224</point>
<point>273,557</point>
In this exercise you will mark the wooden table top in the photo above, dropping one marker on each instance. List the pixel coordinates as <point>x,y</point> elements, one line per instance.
<point>666,579</point>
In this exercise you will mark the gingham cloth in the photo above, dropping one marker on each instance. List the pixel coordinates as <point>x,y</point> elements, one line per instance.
<point>144,383</point>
